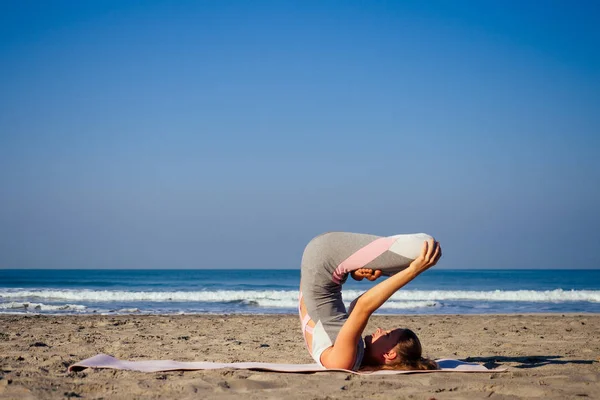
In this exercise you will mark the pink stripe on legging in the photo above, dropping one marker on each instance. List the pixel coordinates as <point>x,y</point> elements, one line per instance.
<point>304,321</point>
<point>362,257</point>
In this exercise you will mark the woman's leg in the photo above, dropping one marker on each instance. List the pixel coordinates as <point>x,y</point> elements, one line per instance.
<point>389,254</point>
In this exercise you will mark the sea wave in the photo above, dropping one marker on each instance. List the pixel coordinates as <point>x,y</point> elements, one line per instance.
<point>27,306</point>
<point>289,298</point>
<point>293,304</point>
<point>409,305</point>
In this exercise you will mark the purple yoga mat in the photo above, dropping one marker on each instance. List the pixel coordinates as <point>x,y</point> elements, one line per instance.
<point>106,361</point>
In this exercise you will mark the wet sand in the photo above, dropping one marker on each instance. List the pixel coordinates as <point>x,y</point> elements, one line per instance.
<point>547,356</point>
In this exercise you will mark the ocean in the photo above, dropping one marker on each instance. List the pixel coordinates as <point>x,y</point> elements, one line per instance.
<point>437,291</point>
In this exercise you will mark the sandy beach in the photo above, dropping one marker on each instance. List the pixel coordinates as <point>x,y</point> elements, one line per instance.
<point>547,356</point>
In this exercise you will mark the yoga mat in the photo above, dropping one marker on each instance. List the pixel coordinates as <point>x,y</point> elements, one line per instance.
<point>106,361</point>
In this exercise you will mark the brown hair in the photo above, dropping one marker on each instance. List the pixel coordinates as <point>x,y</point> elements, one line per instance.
<point>409,354</point>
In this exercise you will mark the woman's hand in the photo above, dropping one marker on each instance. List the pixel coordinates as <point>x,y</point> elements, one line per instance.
<point>430,254</point>
<point>368,273</point>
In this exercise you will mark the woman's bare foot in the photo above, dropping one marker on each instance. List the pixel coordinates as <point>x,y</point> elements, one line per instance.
<point>361,273</point>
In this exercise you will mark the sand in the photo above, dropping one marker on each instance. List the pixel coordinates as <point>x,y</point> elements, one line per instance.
<point>547,356</point>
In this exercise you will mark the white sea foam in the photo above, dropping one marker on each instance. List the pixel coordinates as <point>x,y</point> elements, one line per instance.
<point>544,296</point>
<point>127,311</point>
<point>289,298</point>
<point>293,304</point>
<point>27,306</point>
<point>408,305</point>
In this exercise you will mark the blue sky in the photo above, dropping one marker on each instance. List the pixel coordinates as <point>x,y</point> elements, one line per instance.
<point>223,134</point>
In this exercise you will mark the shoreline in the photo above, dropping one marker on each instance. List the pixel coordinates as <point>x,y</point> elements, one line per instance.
<point>142,314</point>
<point>551,356</point>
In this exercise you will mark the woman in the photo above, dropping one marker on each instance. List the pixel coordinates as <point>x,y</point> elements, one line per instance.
<point>333,335</point>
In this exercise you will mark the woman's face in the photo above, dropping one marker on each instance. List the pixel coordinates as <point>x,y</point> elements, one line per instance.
<point>381,342</point>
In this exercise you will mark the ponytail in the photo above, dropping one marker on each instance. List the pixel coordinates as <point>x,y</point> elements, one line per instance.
<point>412,365</point>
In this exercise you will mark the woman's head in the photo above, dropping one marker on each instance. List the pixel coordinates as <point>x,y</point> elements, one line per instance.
<point>396,349</point>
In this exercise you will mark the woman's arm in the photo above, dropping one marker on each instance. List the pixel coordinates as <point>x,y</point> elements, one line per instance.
<point>343,352</point>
